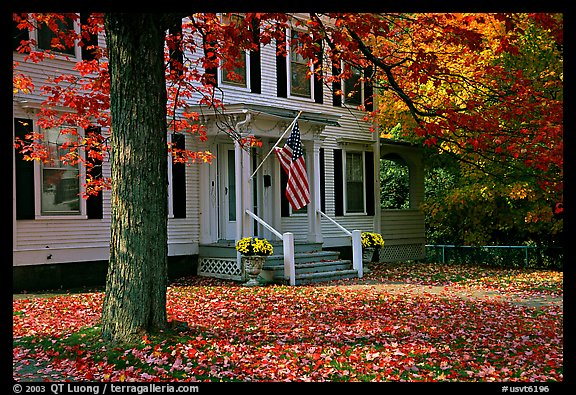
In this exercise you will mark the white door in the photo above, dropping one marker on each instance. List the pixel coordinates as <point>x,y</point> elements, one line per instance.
<point>226,192</point>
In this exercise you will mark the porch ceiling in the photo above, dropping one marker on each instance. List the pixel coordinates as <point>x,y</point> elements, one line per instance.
<point>270,112</point>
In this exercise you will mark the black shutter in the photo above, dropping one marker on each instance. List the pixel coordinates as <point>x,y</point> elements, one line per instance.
<point>322,181</point>
<point>179,180</point>
<point>88,53</point>
<point>370,181</point>
<point>318,77</point>
<point>284,204</point>
<point>175,49</point>
<point>255,66</point>
<point>211,73</point>
<point>18,36</point>
<point>94,204</point>
<point>336,88</point>
<point>338,182</point>
<point>24,174</point>
<point>368,90</point>
<point>281,72</point>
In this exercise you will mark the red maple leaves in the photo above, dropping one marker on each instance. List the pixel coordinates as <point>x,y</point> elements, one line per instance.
<point>313,333</point>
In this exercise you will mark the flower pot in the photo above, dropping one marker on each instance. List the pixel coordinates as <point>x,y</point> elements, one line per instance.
<point>367,254</point>
<point>252,268</point>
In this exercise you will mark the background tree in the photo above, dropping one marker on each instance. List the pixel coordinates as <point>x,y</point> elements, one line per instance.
<point>482,90</point>
<point>485,89</point>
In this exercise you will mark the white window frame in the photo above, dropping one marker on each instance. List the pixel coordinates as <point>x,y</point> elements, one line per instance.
<point>310,98</point>
<point>59,55</point>
<point>361,87</point>
<point>38,183</point>
<point>232,84</point>
<point>345,181</point>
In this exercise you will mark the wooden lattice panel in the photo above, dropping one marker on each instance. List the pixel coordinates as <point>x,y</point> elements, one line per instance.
<point>401,252</point>
<point>226,268</point>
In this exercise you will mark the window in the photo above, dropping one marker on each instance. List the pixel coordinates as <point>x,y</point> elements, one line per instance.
<point>354,181</point>
<point>60,181</point>
<point>46,38</point>
<point>299,70</point>
<point>353,88</point>
<point>238,75</point>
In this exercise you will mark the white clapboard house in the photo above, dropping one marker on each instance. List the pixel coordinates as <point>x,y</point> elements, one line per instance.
<point>61,239</point>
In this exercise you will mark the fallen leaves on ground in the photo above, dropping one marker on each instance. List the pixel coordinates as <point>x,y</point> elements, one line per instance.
<point>309,333</point>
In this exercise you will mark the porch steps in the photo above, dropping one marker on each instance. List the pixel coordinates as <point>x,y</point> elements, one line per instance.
<point>312,271</point>
<point>312,263</point>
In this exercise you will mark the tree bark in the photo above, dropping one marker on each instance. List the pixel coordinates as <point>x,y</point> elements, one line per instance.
<point>135,299</point>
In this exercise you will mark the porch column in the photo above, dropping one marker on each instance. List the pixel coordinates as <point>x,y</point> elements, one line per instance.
<point>314,220</point>
<point>243,191</point>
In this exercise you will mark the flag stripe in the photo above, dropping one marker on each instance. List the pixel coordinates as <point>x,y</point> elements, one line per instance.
<point>291,157</point>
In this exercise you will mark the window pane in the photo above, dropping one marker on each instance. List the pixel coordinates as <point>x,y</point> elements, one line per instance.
<point>237,75</point>
<point>299,84</point>
<point>355,197</point>
<point>60,191</point>
<point>60,181</point>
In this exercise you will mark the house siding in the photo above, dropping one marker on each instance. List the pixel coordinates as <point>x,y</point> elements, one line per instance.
<point>54,240</point>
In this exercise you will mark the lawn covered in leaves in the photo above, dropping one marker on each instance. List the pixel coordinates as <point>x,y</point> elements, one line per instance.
<point>310,333</point>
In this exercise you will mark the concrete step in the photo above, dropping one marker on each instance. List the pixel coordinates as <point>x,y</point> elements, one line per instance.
<point>303,257</point>
<point>309,278</point>
<point>309,267</point>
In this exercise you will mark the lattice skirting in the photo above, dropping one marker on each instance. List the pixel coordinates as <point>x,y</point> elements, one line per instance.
<point>226,268</point>
<point>400,252</point>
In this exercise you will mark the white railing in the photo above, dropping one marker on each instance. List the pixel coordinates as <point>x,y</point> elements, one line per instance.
<point>356,236</point>
<point>287,245</point>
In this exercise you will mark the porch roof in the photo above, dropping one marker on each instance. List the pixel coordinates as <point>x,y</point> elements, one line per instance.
<point>318,118</point>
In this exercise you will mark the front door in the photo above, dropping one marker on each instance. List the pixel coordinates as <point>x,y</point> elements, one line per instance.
<point>226,192</point>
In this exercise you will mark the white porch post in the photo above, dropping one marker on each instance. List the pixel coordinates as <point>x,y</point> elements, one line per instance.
<point>243,191</point>
<point>314,220</point>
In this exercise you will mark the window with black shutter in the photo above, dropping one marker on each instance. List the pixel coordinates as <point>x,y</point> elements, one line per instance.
<point>255,66</point>
<point>338,183</point>
<point>354,182</point>
<point>336,87</point>
<point>318,75</point>
<point>18,35</point>
<point>281,72</point>
<point>89,40</point>
<point>179,180</point>
<point>94,203</point>
<point>175,49</point>
<point>24,174</point>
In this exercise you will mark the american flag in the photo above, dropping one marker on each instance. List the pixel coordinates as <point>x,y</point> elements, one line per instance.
<point>291,158</point>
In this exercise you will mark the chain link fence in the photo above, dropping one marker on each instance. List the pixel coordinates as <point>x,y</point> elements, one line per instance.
<point>501,256</point>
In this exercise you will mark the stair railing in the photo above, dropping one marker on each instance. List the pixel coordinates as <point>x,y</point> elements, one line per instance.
<point>287,246</point>
<point>356,236</point>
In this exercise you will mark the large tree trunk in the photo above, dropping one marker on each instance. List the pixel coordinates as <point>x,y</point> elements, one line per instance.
<point>135,300</point>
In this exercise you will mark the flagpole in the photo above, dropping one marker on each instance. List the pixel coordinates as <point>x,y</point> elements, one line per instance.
<point>281,137</point>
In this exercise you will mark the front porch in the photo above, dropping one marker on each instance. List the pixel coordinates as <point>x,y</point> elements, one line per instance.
<point>312,263</point>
